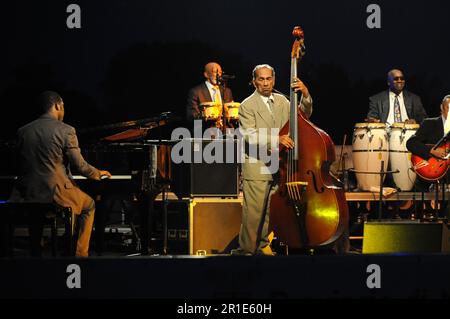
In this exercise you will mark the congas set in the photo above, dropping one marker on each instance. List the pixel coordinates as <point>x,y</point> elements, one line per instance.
<point>399,157</point>
<point>370,146</point>
<point>211,111</point>
<point>232,111</point>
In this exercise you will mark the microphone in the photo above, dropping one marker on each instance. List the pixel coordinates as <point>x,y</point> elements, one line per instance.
<point>227,77</point>
<point>224,78</point>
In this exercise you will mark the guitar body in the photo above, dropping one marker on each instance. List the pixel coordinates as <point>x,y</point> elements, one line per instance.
<point>432,169</point>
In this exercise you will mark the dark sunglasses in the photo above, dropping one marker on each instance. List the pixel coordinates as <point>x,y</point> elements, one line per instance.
<point>399,78</point>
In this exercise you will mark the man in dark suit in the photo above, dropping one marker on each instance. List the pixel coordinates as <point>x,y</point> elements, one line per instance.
<point>421,143</point>
<point>47,148</point>
<point>430,132</point>
<point>208,91</point>
<point>396,104</point>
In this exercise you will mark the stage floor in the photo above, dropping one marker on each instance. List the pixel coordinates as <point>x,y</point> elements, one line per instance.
<point>122,274</point>
<point>228,277</point>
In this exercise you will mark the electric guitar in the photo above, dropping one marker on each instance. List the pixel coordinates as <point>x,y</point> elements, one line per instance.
<point>434,168</point>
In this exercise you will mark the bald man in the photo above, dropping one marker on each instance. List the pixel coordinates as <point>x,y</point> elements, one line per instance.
<point>206,92</point>
<point>382,106</point>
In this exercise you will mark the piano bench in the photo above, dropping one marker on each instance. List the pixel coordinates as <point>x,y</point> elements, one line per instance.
<point>36,215</point>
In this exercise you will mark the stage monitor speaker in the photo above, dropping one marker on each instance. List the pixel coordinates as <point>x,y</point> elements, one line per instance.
<point>203,177</point>
<point>405,237</point>
<point>203,226</point>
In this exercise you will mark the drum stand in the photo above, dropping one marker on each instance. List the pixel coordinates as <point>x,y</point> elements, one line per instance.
<point>382,174</point>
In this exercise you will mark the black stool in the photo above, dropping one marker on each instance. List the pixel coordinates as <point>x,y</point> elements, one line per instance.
<point>37,215</point>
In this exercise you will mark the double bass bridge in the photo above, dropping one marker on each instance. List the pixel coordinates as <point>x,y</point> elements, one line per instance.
<point>296,190</point>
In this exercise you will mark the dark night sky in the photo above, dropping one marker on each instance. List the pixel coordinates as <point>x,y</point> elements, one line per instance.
<point>134,59</point>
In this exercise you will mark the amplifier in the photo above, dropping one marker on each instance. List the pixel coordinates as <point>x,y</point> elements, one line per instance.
<point>203,226</point>
<point>209,168</point>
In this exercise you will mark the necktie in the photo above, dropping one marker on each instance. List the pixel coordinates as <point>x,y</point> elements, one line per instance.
<point>397,113</point>
<point>270,103</point>
<point>217,98</point>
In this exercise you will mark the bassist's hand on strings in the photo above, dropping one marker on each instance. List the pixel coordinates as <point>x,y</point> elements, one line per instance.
<point>286,141</point>
<point>298,85</point>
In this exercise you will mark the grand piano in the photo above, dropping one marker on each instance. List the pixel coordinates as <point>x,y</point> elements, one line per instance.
<point>140,168</point>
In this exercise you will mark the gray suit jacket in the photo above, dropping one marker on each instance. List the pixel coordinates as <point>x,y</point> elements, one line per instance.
<point>198,95</point>
<point>46,148</point>
<point>379,106</point>
<point>253,116</point>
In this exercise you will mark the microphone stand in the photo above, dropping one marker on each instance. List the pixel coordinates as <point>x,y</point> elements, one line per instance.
<point>222,82</point>
<point>222,87</point>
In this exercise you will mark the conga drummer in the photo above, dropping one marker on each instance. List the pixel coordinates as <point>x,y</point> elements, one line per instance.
<point>392,119</point>
<point>212,99</point>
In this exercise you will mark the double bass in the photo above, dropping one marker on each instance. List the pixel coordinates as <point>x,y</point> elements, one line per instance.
<point>309,208</point>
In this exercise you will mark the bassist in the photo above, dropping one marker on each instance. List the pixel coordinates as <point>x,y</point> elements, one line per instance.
<point>255,113</point>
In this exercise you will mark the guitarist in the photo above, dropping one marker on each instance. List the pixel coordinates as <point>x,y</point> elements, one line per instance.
<point>429,133</point>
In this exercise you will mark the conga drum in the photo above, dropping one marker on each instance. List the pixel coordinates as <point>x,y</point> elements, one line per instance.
<point>232,113</point>
<point>211,111</point>
<point>400,157</point>
<point>370,146</point>
<point>232,110</point>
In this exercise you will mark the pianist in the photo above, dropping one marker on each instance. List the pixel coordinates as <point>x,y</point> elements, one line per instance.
<point>46,149</point>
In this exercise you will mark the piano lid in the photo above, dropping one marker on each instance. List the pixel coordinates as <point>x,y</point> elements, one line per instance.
<point>129,130</point>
